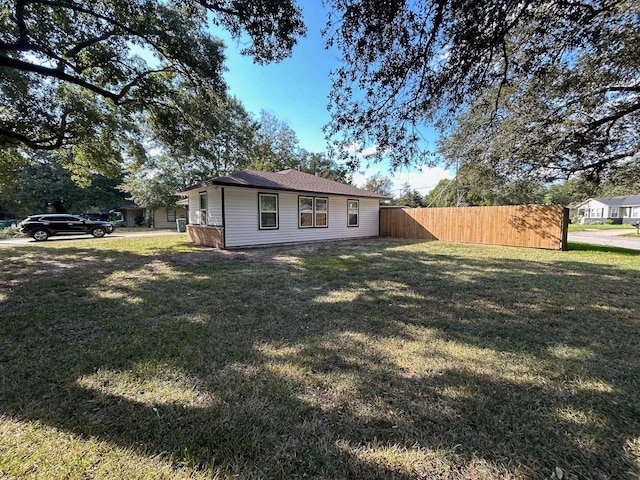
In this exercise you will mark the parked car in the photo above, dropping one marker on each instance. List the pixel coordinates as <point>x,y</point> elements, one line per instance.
<point>41,227</point>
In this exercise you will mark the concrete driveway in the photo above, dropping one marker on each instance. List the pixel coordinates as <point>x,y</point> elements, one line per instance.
<point>609,238</point>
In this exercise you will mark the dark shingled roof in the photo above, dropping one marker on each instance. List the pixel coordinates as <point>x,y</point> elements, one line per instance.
<point>630,201</point>
<point>291,180</point>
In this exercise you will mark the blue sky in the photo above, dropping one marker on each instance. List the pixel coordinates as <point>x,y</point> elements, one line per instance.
<point>296,91</point>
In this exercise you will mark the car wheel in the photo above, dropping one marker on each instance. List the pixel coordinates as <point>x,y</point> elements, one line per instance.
<point>98,232</point>
<point>40,235</point>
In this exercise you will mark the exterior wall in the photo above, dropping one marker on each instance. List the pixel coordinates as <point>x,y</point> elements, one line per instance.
<point>242,219</point>
<point>160,217</point>
<point>214,206</point>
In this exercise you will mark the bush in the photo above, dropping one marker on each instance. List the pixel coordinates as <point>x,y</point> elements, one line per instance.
<point>10,232</point>
<point>139,220</point>
<point>608,221</point>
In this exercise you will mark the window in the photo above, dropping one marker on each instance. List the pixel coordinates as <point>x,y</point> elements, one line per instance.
<point>268,204</point>
<point>305,208</point>
<point>313,212</point>
<point>635,212</point>
<point>353,212</point>
<point>614,212</point>
<point>203,208</point>
<point>321,212</point>
<point>171,214</point>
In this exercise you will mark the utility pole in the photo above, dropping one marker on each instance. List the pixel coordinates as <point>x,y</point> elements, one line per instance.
<point>457,191</point>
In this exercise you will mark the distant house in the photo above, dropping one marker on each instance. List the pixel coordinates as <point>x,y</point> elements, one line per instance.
<point>252,208</point>
<point>616,209</point>
<point>160,218</point>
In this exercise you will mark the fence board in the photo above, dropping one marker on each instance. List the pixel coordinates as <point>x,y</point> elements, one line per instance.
<point>534,226</point>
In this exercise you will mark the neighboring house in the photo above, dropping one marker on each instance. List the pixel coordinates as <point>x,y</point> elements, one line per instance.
<point>616,209</point>
<point>166,217</point>
<point>252,208</point>
<point>160,218</point>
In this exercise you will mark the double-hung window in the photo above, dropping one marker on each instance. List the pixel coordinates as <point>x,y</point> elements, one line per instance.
<point>203,208</point>
<point>320,206</point>
<point>268,204</point>
<point>171,214</point>
<point>353,213</point>
<point>313,212</point>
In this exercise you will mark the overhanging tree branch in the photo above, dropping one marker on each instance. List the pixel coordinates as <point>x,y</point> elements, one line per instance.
<point>56,73</point>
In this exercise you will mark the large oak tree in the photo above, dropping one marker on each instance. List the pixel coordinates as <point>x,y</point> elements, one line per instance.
<point>565,73</point>
<point>78,77</point>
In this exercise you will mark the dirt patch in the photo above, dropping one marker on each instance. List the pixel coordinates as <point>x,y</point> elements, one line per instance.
<point>277,254</point>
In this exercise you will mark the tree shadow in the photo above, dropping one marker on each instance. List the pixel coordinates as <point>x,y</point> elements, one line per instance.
<point>347,362</point>
<point>589,247</point>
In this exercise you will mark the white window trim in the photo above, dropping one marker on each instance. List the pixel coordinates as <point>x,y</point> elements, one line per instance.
<point>203,211</point>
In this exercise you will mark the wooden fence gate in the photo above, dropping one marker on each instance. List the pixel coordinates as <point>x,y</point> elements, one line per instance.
<point>534,226</point>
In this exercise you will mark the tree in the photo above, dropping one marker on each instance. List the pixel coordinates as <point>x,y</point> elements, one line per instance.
<point>74,76</point>
<point>156,184</point>
<point>379,184</point>
<point>622,181</point>
<point>276,145</point>
<point>322,165</point>
<point>44,186</point>
<point>409,197</point>
<point>213,136</point>
<point>574,190</point>
<point>572,67</point>
<point>442,195</point>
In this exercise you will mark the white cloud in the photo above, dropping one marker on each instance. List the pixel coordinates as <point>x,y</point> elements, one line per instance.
<point>420,178</point>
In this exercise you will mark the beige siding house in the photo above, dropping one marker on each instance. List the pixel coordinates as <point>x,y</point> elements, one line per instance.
<point>166,217</point>
<point>252,208</point>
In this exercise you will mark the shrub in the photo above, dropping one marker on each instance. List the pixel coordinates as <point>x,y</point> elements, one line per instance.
<point>139,220</point>
<point>10,232</point>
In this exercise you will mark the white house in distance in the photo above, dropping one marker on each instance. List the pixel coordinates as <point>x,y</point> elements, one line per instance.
<point>616,209</point>
<point>252,208</point>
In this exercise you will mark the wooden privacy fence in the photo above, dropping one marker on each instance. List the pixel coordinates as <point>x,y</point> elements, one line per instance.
<point>534,226</point>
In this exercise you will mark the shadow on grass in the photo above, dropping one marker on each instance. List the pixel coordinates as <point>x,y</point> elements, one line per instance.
<point>355,361</point>
<point>589,247</point>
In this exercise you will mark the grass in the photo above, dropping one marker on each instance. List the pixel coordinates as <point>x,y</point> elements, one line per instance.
<point>575,227</point>
<point>153,358</point>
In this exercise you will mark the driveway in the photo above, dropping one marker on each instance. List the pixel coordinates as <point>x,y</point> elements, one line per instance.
<point>65,238</point>
<point>609,238</point>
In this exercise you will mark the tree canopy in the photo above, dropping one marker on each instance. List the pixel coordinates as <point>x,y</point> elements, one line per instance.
<point>78,77</point>
<point>554,83</point>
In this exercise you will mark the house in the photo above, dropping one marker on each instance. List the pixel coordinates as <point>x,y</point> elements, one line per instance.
<point>164,217</point>
<point>616,209</point>
<point>252,208</point>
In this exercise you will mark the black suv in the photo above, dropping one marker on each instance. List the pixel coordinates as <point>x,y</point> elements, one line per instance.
<point>41,227</point>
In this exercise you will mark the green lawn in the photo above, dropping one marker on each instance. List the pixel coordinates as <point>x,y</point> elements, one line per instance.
<point>574,227</point>
<point>152,358</point>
